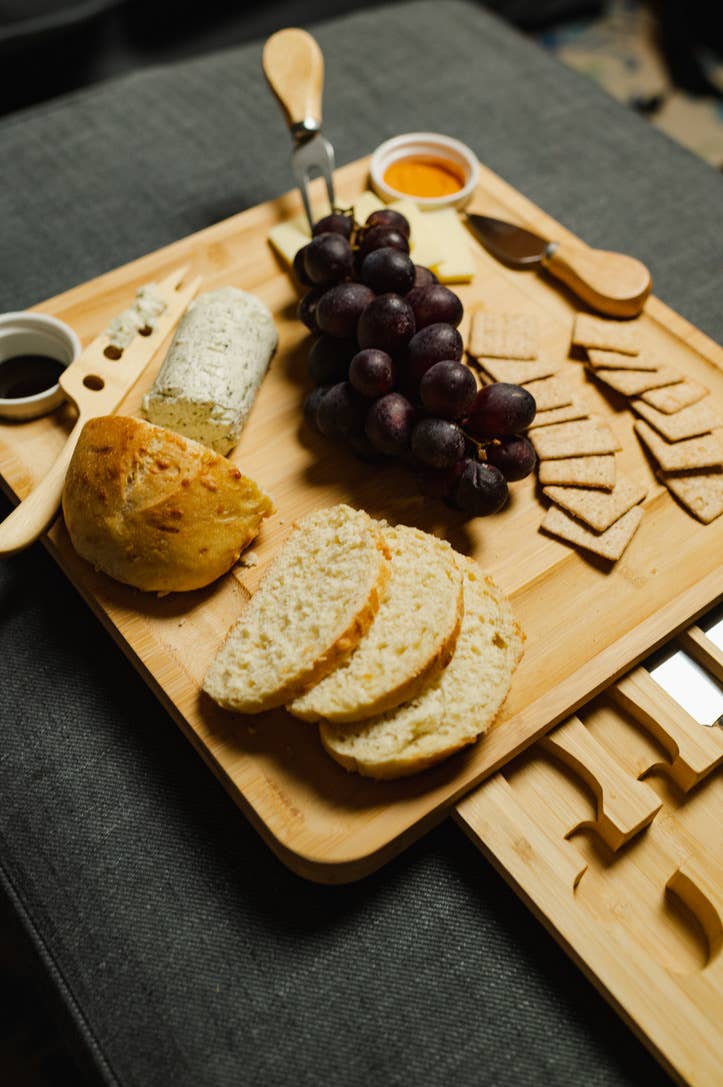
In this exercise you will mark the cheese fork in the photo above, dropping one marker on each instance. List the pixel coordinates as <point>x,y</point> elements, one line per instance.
<point>96,382</point>
<point>294,68</point>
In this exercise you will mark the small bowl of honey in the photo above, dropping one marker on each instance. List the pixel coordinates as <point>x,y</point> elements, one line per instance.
<point>35,348</point>
<point>434,171</point>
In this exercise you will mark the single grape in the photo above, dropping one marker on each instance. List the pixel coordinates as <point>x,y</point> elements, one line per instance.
<point>299,267</point>
<point>371,372</point>
<point>336,223</point>
<point>448,389</point>
<point>364,450</point>
<point>328,259</point>
<point>389,424</point>
<point>433,344</point>
<point>514,456</point>
<point>437,443</point>
<point>389,217</point>
<point>340,307</point>
<point>433,304</point>
<point>481,489</point>
<point>499,410</point>
<point>329,360</point>
<point>387,323</point>
<point>307,308</point>
<point>439,482</point>
<point>311,405</point>
<point>380,236</point>
<point>341,412</point>
<point>387,269</point>
<point>423,276</point>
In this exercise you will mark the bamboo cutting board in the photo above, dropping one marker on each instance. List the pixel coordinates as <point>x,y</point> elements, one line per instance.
<point>609,829</point>
<point>586,623</point>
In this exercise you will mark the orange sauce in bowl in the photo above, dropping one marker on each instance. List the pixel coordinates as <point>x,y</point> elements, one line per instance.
<point>425,175</point>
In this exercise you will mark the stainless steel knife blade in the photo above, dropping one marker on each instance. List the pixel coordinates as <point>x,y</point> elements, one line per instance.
<point>509,243</point>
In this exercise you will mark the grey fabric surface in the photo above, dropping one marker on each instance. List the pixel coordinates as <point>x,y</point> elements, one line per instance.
<point>186,952</point>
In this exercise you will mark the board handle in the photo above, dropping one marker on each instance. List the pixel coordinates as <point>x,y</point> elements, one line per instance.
<point>294,68</point>
<point>36,513</point>
<point>612,283</point>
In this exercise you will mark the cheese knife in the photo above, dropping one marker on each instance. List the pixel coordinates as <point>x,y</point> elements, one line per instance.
<point>612,283</point>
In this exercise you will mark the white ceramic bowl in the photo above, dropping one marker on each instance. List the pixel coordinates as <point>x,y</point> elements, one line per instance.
<point>26,333</point>
<point>425,144</point>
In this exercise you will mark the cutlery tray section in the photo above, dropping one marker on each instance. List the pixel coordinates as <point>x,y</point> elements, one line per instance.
<point>609,828</point>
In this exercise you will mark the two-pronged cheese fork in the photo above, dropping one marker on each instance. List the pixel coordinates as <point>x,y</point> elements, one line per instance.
<point>96,382</point>
<point>294,67</point>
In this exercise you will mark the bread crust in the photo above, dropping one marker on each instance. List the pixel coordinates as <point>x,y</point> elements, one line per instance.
<point>156,510</point>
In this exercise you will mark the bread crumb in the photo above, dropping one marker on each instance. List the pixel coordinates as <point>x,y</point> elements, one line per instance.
<point>249,559</point>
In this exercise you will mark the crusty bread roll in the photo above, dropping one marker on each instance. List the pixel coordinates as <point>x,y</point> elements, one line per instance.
<point>156,510</point>
<point>455,708</point>
<point>315,603</point>
<point>410,641</point>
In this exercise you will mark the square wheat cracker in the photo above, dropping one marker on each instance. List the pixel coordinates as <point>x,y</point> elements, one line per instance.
<point>504,335</point>
<point>516,372</point>
<point>689,422</point>
<point>703,452</point>
<point>634,382</point>
<point>621,336</point>
<point>587,437</point>
<point>576,410</point>
<point>598,509</point>
<point>675,397</point>
<point>609,544</point>
<point>700,492</point>
<point>598,472</point>
<point>613,360</point>
<point>550,392</point>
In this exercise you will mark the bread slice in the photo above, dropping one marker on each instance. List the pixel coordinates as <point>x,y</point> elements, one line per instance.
<point>410,641</point>
<point>455,708</point>
<point>313,606</point>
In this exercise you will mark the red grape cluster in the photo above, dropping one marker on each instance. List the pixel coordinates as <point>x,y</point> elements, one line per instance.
<point>387,366</point>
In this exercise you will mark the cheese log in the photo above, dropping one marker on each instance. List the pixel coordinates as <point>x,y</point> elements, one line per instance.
<point>218,358</point>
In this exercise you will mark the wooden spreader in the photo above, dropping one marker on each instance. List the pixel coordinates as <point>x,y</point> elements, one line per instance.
<point>635,896</point>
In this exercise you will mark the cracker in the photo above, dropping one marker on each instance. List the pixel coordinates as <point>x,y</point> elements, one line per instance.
<point>634,382</point>
<point>613,360</point>
<point>550,392</point>
<point>608,335</point>
<point>700,492</point>
<point>598,509</point>
<point>689,422</point>
<point>504,335</point>
<point>576,410</point>
<point>579,439</point>
<point>517,373</point>
<point>675,397</point>
<point>596,472</point>
<point>703,452</point>
<point>610,544</point>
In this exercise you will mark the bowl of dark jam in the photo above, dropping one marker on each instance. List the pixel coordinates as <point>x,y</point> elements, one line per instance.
<point>34,350</point>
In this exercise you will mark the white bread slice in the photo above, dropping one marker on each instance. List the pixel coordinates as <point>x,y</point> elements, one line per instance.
<point>314,604</point>
<point>455,708</point>
<point>410,641</point>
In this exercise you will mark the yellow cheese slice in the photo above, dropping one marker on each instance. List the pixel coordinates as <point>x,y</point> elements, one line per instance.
<point>365,205</point>
<point>288,238</point>
<point>457,263</point>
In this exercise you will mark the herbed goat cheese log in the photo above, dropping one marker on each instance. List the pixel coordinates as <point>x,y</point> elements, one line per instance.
<point>210,377</point>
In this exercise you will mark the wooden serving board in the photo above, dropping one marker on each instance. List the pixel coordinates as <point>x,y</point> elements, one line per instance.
<point>609,829</point>
<point>586,622</point>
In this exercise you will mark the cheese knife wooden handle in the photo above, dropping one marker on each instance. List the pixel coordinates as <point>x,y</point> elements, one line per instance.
<point>294,68</point>
<point>612,283</point>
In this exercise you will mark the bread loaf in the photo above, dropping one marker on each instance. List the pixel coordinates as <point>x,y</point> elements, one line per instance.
<point>309,613</point>
<point>155,510</point>
<point>216,362</point>
<point>455,708</point>
<point>410,641</point>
